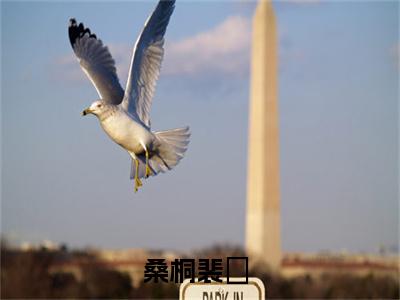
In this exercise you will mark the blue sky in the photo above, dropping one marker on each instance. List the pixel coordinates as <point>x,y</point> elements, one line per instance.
<point>64,180</point>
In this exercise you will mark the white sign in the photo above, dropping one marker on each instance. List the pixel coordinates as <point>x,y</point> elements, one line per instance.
<point>254,289</point>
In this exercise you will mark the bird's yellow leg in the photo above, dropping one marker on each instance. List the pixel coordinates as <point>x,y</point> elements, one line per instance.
<point>138,183</point>
<point>148,170</point>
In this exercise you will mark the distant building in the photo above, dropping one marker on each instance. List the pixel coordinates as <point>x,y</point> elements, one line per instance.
<point>316,265</point>
<point>130,261</point>
<point>263,240</point>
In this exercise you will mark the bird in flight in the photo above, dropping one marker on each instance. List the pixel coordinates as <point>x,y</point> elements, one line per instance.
<point>124,115</point>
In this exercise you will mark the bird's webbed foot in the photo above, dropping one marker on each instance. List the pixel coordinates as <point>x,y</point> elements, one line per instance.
<point>138,183</point>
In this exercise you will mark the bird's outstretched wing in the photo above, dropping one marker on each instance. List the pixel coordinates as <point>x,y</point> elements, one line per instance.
<point>96,61</point>
<point>146,62</point>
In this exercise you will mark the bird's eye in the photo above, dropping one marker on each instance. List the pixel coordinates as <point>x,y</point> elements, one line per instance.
<point>98,105</point>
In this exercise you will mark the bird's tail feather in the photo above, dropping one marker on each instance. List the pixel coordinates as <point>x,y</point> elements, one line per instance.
<point>169,148</point>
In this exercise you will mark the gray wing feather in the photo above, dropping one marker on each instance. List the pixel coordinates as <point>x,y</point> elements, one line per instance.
<point>96,61</point>
<point>146,62</point>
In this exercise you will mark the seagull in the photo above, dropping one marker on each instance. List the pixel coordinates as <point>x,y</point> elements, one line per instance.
<point>124,115</point>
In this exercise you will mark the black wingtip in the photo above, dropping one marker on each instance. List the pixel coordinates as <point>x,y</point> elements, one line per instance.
<point>76,31</point>
<point>72,22</point>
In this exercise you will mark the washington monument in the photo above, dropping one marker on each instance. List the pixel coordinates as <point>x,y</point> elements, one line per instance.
<point>263,242</point>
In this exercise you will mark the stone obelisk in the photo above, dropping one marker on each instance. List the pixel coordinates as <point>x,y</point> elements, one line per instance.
<point>263,242</point>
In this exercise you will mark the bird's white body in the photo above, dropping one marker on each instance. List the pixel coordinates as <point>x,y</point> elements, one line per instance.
<point>127,132</point>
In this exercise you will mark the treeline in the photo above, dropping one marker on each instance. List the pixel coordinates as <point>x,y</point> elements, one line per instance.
<point>29,274</point>
<point>328,286</point>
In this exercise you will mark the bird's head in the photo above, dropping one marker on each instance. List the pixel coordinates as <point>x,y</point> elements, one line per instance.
<point>96,108</point>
